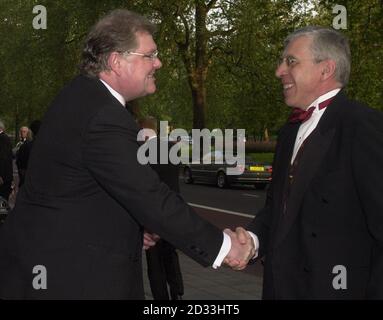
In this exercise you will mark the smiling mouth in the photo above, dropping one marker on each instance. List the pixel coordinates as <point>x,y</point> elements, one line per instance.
<point>287,86</point>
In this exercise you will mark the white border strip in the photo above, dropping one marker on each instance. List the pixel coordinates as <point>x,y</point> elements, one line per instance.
<point>221,210</point>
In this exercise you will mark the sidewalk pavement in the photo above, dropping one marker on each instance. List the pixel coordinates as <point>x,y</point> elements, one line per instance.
<point>209,284</point>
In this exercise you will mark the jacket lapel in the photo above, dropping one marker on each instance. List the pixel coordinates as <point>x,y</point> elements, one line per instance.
<point>283,156</point>
<point>310,160</point>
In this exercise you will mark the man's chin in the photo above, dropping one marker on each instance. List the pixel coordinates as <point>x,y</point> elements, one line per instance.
<point>151,90</point>
<point>289,102</point>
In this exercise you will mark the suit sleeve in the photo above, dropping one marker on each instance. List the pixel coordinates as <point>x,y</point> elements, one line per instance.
<point>367,161</point>
<point>110,154</point>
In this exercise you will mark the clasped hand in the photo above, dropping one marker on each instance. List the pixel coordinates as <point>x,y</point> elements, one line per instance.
<point>242,249</point>
<point>150,240</point>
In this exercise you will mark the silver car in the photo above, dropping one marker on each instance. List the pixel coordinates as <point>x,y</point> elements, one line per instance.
<point>254,173</point>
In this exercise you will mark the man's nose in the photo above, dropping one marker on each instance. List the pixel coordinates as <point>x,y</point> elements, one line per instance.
<point>281,69</point>
<point>157,63</point>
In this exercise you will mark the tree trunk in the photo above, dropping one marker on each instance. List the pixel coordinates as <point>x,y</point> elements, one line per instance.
<point>199,105</point>
<point>266,135</point>
<point>198,76</point>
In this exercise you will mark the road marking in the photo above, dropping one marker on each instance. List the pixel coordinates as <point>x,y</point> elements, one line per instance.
<point>250,195</point>
<point>221,210</point>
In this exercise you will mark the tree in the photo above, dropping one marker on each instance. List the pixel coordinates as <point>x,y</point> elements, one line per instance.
<point>218,56</point>
<point>195,27</point>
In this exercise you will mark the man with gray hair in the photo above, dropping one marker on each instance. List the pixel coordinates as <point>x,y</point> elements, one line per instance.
<point>6,171</point>
<point>321,230</point>
<point>77,228</point>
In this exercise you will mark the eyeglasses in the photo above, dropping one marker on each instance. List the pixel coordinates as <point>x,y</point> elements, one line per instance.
<point>289,60</point>
<point>292,61</point>
<point>152,56</point>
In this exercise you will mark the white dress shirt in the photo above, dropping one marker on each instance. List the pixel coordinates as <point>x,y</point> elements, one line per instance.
<point>118,96</point>
<point>308,126</point>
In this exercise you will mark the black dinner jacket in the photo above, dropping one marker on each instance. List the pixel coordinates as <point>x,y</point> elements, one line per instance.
<point>167,172</point>
<point>334,211</point>
<point>85,202</point>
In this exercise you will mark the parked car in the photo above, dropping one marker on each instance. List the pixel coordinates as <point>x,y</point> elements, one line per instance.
<point>254,173</point>
<point>186,139</point>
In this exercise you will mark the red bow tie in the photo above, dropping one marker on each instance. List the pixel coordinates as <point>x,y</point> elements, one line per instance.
<point>299,115</point>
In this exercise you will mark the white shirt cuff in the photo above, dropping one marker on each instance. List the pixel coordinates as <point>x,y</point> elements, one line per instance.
<point>225,248</point>
<point>256,244</point>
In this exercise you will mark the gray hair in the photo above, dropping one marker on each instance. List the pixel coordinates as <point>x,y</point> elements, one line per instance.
<point>114,32</point>
<point>2,126</point>
<point>327,44</point>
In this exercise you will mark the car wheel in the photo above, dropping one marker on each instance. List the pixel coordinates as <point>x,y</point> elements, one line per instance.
<point>188,176</point>
<point>221,180</point>
<point>260,186</point>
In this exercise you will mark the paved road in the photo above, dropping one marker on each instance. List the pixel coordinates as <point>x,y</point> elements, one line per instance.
<point>241,202</point>
<point>234,207</point>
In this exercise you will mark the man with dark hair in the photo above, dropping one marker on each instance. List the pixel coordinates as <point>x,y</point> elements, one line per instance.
<point>77,228</point>
<point>321,230</point>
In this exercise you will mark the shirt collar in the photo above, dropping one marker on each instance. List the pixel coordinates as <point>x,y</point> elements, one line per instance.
<point>118,96</point>
<point>324,97</point>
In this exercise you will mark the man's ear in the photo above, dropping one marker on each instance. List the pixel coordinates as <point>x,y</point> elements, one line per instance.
<point>328,69</point>
<point>114,62</point>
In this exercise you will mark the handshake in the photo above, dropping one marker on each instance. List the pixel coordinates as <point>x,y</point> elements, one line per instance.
<point>241,251</point>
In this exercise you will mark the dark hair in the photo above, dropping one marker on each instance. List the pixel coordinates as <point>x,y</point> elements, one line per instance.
<point>114,32</point>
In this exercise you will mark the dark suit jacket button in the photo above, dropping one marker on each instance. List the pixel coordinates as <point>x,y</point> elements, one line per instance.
<point>314,235</point>
<point>306,269</point>
<point>324,200</point>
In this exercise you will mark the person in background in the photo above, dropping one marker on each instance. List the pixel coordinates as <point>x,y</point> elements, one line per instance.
<point>22,156</point>
<point>162,259</point>
<point>24,135</point>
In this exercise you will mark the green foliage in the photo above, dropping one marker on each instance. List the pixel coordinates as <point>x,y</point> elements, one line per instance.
<point>246,40</point>
<point>266,158</point>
